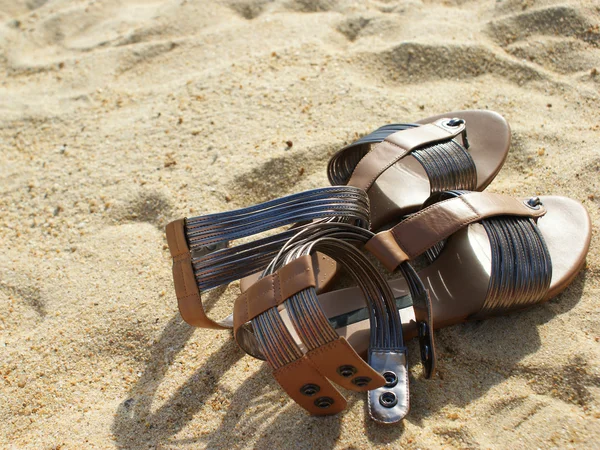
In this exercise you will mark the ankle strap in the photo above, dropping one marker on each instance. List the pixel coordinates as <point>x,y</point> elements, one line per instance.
<point>203,261</point>
<point>323,356</point>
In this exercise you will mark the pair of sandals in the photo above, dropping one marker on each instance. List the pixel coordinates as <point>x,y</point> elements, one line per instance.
<point>403,191</point>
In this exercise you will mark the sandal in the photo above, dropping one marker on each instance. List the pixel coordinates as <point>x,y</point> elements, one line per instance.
<point>516,253</point>
<point>491,254</point>
<point>401,165</point>
<point>331,221</point>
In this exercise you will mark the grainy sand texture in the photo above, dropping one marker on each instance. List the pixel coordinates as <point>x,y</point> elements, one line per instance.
<point>119,116</point>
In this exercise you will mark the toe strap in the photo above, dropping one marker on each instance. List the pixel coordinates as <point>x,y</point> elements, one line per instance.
<point>447,163</point>
<point>421,231</point>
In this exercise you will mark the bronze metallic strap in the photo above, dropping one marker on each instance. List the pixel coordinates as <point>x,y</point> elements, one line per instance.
<point>224,265</point>
<point>448,166</point>
<point>521,265</point>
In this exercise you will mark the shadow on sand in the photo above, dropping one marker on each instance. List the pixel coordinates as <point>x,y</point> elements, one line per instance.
<point>258,405</point>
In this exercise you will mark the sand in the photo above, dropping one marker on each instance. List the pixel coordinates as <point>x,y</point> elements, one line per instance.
<point>118,116</point>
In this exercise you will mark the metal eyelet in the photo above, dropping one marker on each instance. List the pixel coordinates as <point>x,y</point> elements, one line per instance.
<point>361,381</point>
<point>346,371</point>
<point>309,389</point>
<point>391,379</point>
<point>533,203</point>
<point>455,122</point>
<point>323,402</point>
<point>388,399</point>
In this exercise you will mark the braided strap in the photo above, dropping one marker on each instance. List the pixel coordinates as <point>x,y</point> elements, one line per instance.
<point>448,166</point>
<point>199,245</point>
<point>521,265</point>
<point>310,344</point>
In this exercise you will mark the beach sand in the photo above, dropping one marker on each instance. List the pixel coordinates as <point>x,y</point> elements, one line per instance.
<point>119,116</point>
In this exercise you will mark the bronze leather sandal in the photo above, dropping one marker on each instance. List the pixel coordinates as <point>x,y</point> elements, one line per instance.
<point>491,254</point>
<point>401,165</point>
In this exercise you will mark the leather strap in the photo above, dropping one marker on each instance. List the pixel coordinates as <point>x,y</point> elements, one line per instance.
<point>272,290</point>
<point>422,230</point>
<point>309,388</point>
<point>396,146</point>
<point>186,288</point>
<point>338,354</point>
<point>342,163</point>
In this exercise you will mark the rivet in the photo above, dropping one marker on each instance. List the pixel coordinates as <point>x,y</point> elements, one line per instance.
<point>455,122</point>
<point>309,389</point>
<point>323,402</point>
<point>425,352</point>
<point>346,371</point>
<point>534,202</point>
<point>388,399</point>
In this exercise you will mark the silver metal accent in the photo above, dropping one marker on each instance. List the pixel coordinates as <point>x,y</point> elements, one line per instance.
<point>388,399</point>
<point>391,379</point>
<point>534,203</point>
<point>389,361</point>
<point>455,122</point>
